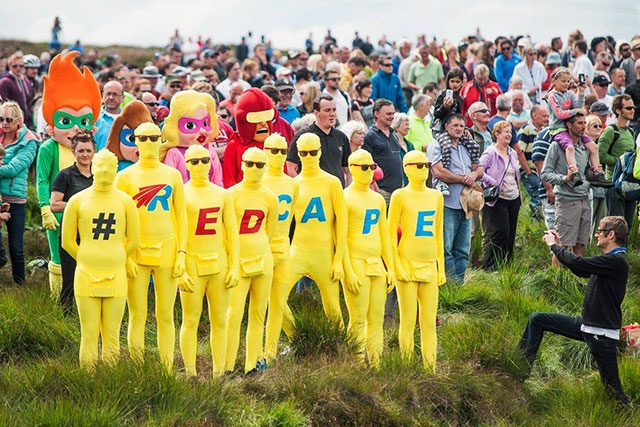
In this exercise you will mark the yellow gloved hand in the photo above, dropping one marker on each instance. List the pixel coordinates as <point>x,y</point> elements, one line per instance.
<point>337,270</point>
<point>132,268</point>
<point>185,283</point>
<point>400,273</point>
<point>49,221</point>
<point>352,282</point>
<point>391,281</point>
<point>233,277</point>
<point>179,266</point>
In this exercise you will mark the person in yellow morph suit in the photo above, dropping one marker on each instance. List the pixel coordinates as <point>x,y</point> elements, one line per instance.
<point>368,244</point>
<point>286,189</point>
<point>212,260</point>
<point>106,221</point>
<point>158,192</point>
<point>257,214</point>
<point>320,237</point>
<point>419,256</point>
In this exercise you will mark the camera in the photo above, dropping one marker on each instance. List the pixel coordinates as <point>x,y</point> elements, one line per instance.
<point>581,79</point>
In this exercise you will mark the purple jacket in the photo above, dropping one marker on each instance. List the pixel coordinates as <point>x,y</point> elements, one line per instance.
<point>494,167</point>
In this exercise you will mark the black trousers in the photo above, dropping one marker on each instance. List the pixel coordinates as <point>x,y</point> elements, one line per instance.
<point>604,350</point>
<point>503,220</point>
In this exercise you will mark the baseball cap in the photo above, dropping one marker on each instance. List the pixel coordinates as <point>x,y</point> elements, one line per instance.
<point>284,85</point>
<point>180,71</point>
<point>150,71</point>
<point>601,79</point>
<point>553,58</point>
<point>599,108</point>
<point>208,53</point>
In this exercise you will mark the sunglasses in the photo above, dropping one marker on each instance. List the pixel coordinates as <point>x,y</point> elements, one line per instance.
<point>223,116</point>
<point>310,152</point>
<point>419,165</point>
<point>17,65</point>
<point>9,120</point>
<point>602,230</point>
<point>251,164</point>
<point>629,108</point>
<point>386,65</point>
<point>151,104</point>
<point>175,86</point>
<point>278,150</point>
<point>365,167</point>
<point>333,79</point>
<point>597,126</point>
<point>204,161</point>
<point>152,138</point>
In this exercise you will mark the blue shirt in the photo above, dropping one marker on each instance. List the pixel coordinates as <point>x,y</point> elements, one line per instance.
<point>460,165</point>
<point>104,123</point>
<point>290,114</point>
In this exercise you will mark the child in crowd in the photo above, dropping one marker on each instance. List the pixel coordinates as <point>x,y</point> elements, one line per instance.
<point>563,104</point>
<point>446,105</point>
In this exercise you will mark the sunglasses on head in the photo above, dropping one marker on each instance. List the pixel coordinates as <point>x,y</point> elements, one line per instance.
<point>278,150</point>
<point>365,167</point>
<point>310,152</point>
<point>204,161</point>
<point>251,163</point>
<point>152,138</point>
<point>6,119</point>
<point>419,165</point>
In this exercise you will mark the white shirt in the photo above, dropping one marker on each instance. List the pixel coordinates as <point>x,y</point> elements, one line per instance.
<point>584,66</point>
<point>534,76</point>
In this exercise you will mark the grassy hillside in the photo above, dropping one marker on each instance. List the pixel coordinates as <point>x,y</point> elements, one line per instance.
<point>134,54</point>
<point>321,381</point>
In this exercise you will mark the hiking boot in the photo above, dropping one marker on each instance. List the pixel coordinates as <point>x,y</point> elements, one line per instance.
<point>598,180</point>
<point>576,179</point>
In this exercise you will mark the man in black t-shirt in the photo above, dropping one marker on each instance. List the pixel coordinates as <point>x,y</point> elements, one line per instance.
<point>601,320</point>
<point>334,144</point>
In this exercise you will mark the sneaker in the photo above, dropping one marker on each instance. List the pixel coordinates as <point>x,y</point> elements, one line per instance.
<point>443,188</point>
<point>598,180</point>
<point>285,351</point>
<point>576,179</point>
<point>261,365</point>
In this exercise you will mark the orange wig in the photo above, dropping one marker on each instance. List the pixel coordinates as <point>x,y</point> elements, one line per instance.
<point>68,87</point>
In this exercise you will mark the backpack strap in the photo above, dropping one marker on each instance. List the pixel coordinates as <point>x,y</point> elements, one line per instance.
<point>616,136</point>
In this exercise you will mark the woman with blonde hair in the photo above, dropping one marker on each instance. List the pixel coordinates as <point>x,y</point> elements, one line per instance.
<point>501,168</point>
<point>316,64</point>
<point>308,94</point>
<point>599,203</point>
<point>20,146</point>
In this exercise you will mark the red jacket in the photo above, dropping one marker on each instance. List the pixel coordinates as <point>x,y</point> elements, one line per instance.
<point>471,93</point>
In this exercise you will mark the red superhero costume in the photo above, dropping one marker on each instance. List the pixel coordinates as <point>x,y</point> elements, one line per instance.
<point>254,116</point>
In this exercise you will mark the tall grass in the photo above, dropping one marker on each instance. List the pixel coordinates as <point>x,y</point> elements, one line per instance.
<point>323,381</point>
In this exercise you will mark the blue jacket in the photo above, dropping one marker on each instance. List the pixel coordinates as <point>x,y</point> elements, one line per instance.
<point>387,86</point>
<point>503,69</point>
<point>15,167</point>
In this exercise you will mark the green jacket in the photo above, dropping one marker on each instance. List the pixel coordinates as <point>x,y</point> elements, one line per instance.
<point>17,160</point>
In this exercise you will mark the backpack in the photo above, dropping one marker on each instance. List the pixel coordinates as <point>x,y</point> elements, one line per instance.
<point>624,183</point>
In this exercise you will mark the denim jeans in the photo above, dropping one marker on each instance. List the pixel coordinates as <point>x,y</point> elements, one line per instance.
<point>531,184</point>
<point>603,349</point>
<point>457,243</point>
<point>619,206</point>
<point>15,234</point>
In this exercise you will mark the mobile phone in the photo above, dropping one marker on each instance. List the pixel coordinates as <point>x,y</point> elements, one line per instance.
<point>581,79</point>
<point>448,94</point>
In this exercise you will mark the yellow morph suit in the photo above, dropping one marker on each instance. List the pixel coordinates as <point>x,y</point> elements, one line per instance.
<point>106,221</point>
<point>419,257</point>
<point>257,214</point>
<point>212,260</point>
<point>368,244</point>
<point>158,192</point>
<point>320,237</point>
<point>286,189</point>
